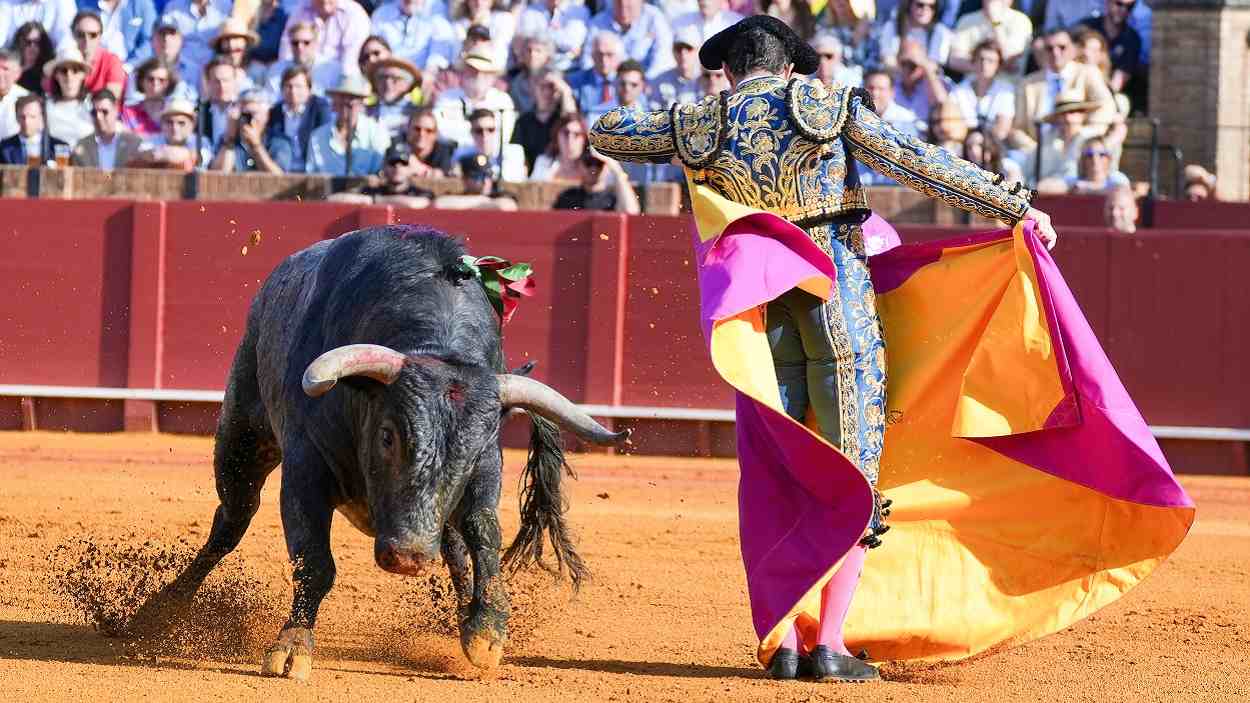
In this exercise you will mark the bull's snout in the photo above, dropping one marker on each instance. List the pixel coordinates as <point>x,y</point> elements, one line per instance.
<point>399,559</point>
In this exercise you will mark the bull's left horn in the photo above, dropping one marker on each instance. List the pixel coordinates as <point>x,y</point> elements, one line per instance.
<point>538,397</point>
<point>375,361</point>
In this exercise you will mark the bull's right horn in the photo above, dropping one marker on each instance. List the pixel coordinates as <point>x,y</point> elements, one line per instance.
<point>375,361</point>
<point>535,396</point>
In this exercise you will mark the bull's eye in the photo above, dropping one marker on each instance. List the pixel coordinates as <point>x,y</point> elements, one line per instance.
<point>387,437</point>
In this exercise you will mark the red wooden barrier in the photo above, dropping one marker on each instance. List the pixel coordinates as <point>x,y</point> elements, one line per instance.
<point>155,295</point>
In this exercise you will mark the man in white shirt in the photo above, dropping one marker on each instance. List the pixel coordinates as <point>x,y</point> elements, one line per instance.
<point>833,71</point>
<point>1012,29</point>
<point>10,91</point>
<point>110,146</point>
<point>711,17</point>
<point>477,90</point>
<point>416,32</point>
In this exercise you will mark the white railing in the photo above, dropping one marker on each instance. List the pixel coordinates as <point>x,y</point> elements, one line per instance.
<point>1222,434</point>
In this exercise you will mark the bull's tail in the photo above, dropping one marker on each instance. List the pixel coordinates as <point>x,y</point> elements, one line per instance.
<point>543,506</point>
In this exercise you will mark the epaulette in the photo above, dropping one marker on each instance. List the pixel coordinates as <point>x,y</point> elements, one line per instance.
<point>818,113</point>
<point>699,130</point>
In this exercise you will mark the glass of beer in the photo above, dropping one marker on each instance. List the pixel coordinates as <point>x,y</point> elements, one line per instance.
<point>32,160</point>
<point>61,153</point>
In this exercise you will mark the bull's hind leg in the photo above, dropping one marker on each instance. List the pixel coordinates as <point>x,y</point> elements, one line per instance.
<point>244,456</point>
<point>307,509</point>
<point>484,630</point>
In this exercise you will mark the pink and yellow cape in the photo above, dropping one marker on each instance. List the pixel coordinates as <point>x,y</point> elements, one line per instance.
<point>1028,491</point>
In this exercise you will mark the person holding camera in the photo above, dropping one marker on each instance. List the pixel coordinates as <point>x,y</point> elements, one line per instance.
<point>246,145</point>
<point>604,186</point>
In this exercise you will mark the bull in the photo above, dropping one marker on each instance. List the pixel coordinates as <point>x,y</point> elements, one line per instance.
<point>372,369</point>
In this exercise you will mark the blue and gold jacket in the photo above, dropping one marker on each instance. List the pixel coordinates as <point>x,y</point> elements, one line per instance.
<point>790,148</point>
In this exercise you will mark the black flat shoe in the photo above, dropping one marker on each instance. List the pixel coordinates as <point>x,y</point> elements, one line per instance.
<point>785,665</point>
<point>824,664</point>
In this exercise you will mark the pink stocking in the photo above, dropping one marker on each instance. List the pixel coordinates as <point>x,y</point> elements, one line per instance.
<point>835,600</point>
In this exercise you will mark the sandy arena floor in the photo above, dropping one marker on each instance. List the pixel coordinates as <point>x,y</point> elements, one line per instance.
<point>665,618</point>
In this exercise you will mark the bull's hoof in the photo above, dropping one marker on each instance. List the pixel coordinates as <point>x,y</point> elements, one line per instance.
<point>290,655</point>
<point>483,651</point>
<point>483,635</point>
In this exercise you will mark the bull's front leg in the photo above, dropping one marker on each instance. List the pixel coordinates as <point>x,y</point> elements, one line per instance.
<point>307,510</point>
<point>484,629</point>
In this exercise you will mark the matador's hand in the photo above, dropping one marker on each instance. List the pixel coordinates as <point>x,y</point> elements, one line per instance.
<point>1045,231</point>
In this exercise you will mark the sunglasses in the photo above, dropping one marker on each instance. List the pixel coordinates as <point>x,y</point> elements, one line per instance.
<point>1056,48</point>
<point>484,130</point>
<point>301,42</point>
<point>150,78</point>
<point>102,111</point>
<point>375,53</point>
<point>829,57</point>
<point>1096,152</point>
<point>86,35</point>
<point>66,70</point>
<point>425,130</point>
<point>924,5</point>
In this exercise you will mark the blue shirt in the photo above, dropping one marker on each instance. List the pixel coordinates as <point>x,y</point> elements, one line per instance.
<point>325,155</point>
<point>198,32</point>
<point>127,30</point>
<point>588,90</point>
<point>426,39</point>
<point>280,149</point>
<point>649,41</point>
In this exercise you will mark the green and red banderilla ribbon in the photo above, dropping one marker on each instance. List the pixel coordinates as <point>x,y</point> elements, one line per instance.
<point>505,283</point>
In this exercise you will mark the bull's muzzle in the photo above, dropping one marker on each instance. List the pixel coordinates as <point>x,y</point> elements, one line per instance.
<point>401,559</point>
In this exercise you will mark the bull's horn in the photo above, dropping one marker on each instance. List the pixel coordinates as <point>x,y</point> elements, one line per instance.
<point>370,360</point>
<point>538,397</point>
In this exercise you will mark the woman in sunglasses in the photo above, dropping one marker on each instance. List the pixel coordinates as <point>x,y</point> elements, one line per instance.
<point>69,116</point>
<point>34,48</point>
<point>1094,172</point>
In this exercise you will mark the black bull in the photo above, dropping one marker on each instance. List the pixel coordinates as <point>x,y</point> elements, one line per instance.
<point>407,445</point>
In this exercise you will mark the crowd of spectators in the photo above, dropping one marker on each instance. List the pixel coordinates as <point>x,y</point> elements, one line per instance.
<point>501,91</point>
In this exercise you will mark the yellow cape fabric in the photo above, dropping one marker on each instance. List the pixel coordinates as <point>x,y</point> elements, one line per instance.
<point>975,557</point>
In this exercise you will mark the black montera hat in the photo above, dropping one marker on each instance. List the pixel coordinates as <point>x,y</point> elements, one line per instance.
<point>716,49</point>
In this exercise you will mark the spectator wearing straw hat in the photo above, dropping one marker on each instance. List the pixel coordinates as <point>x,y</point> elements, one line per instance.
<point>353,144</point>
<point>111,145</point>
<point>396,93</point>
<point>53,15</point>
<point>106,71</point>
<point>342,27</point>
<point>247,146</point>
<point>299,113</point>
<point>69,118</point>
<point>477,91</point>
<point>175,147</point>
<point>500,26</point>
<point>31,137</point>
<point>127,27</point>
<point>302,39</point>
<point>1060,147</point>
<point>198,22</point>
<point>419,31</point>
<point>234,43</point>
